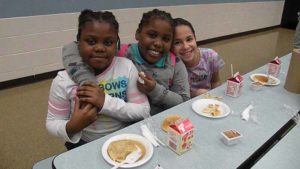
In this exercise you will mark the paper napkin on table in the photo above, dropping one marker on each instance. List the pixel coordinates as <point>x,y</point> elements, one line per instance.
<point>245,115</point>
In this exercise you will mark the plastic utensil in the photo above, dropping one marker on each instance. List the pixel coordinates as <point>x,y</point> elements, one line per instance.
<point>130,158</point>
<point>147,133</point>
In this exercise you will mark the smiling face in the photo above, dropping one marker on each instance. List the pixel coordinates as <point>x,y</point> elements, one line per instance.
<point>154,39</point>
<point>184,44</point>
<point>97,44</point>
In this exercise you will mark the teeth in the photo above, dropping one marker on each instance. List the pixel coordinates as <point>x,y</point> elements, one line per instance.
<point>188,52</point>
<point>152,52</point>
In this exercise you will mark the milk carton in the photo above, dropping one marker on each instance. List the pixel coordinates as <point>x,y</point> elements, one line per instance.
<point>180,136</point>
<point>234,85</point>
<point>274,67</point>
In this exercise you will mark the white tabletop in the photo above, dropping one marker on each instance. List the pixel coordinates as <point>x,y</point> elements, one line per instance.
<point>44,164</point>
<point>208,151</point>
<point>285,154</point>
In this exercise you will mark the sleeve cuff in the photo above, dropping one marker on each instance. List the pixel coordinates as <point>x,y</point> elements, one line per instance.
<point>106,104</point>
<point>157,91</point>
<point>74,139</point>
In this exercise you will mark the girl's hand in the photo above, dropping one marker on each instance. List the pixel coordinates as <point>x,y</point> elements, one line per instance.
<point>198,92</point>
<point>148,85</point>
<point>81,117</point>
<point>91,93</point>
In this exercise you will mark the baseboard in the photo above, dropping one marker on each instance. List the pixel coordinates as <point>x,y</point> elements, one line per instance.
<point>28,79</point>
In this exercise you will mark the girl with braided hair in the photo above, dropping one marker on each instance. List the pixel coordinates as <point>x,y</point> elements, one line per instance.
<point>108,102</point>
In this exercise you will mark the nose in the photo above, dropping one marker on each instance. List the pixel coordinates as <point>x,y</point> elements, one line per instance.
<point>185,45</point>
<point>158,43</point>
<point>99,47</point>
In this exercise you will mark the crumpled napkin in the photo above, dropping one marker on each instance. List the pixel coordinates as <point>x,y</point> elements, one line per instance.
<point>245,115</point>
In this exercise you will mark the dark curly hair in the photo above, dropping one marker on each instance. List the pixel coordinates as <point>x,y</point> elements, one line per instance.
<point>155,13</point>
<point>88,15</point>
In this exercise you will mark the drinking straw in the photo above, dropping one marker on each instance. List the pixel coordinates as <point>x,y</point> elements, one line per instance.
<point>231,69</point>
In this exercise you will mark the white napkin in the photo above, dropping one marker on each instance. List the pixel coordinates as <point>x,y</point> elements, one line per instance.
<point>140,79</point>
<point>148,134</point>
<point>246,113</point>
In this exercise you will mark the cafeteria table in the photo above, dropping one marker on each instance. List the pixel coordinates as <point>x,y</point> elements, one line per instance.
<point>285,154</point>
<point>208,151</point>
<point>44,164</point>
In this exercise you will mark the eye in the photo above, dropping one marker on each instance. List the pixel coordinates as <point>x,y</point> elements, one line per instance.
<point>108,42</point>
<point>166,38</point>
<point>91,41</point>
<point>176,43</point>
<point>189,38</point>
<point>152,34</point>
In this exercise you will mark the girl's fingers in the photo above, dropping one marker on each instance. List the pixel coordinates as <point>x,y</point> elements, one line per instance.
<point>84,99</point>
<point>88,89</point>
<point>85,93</point>
<point>85,88</point>
<point>88,107</point>
<point>76,106</point>
<point>147,80</point>
<point>147,77</point>
<point>90,85</point>
<point>92,111</point>
<point>89,100</point>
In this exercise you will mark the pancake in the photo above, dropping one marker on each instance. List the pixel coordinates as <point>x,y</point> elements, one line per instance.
<point>262,79</point>
<point>168,121</point>
<point>118,150</point>
<point>212,109</point>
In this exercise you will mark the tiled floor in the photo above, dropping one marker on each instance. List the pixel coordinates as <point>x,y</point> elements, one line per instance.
<point>24,139</point>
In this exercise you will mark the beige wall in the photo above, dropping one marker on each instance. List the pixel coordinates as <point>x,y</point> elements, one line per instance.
<point>32,45</point>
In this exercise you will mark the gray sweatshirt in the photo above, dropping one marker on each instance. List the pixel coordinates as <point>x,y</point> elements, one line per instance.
<point>172,87</point>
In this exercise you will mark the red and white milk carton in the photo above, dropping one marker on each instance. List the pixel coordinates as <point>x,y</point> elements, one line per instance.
<point>274,67</point>
<point>234,85</point>
<point>181,136</point>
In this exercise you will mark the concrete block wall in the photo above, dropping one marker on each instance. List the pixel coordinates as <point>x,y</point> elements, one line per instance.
<point>32,45</point>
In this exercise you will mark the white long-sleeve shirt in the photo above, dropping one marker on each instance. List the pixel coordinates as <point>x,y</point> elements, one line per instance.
<point>123,102</point>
